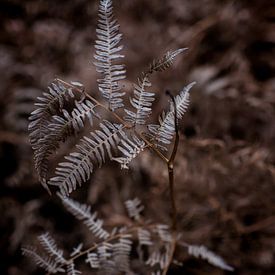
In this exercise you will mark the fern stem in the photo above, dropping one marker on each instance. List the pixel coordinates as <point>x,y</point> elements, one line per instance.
<point>172,252</point>
<point>170,167</point>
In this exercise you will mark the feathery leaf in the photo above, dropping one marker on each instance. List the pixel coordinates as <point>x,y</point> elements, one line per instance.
<point>50,246</point>
<point>42,261</point>
<point>165,131</point>
<point>202,252</point>
<point>142,99</point>
<point>130,148</point>
<point>59,130</point>
<point>92,151</point>
<point>107,52</point>
<point>83,212</point>
<point>48,105</point>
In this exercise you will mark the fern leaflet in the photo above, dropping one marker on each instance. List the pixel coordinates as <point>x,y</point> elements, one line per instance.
<point>142,99</point>
<point>47,106</point>
<point>83,212</point>
<point>50,246</point>
<point>59,130</point>
<point>92,151</point>
<point>164,132</point>
<point>107,51</point>
<point>130,148</point>
<point>45,262</point>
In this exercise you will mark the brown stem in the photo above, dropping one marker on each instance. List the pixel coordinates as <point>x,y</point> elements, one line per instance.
<point>170,167</point>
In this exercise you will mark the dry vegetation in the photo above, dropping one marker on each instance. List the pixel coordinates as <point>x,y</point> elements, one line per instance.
<point>225,166</point>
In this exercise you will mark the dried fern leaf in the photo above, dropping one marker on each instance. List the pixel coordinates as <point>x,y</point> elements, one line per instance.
<point>142,99</point>
<point>71,270</point>
<point>58,131</point>
<point>165,62</point>
<point>107,52</point>
<point>92,151</point>
<point>77,250</point>
<point>121,253</point>
<point>50,246</point>
<point>48,105</point>
<point>92,259</point>
<point>130,148</point>
<point>144,237</point>
<point>46,263</point>
<point>134,208</point>
<point>83,212</point>
<point>160,257</point>
<point>202,252</point>
<point>105,256</point>
<point>165,130</point>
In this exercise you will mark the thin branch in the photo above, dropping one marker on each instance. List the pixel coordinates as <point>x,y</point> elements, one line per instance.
<point>170,166</point>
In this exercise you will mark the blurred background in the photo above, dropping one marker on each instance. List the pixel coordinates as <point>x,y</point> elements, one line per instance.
<point>225,171</point>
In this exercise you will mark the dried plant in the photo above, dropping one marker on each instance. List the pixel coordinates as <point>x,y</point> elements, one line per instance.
<point>63,111</point>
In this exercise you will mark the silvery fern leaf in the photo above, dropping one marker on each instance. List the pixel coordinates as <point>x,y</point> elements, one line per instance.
<point>92,259</point>
<point>50,246</point>
<point>107,52</point>
<point>165,130</point>
<point>160,257</point>
<point>46,263</point>
<point>142,102</point>
<point>202,252</point>
<point>59,130</point>
<point>71,270</point>
<point>121,253</point>
<point>134,208</point>
<point>130,148</point>
<point>83,212</point>
<point>77,250</point>
<point>165,62</point>
<point>92,151</point>
<point>48,105</point>
<point>144,237</point>
<point>142,99</point>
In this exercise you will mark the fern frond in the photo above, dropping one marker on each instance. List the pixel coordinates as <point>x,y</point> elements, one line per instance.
<point>71,269</point>
<point>130,148</point>
<point>50,246</point>
<point>92,151</point>
<point>144,237</point>
<point>202,252</point>
<point>59,130</point>
<point>92,259</point>
<point>42,261</point>
<point>165,131</point>
<point>83,212</point>
<point>134,208</point>
<point>48,105</point>
<point>159,257</point>
<point>105,256</point>
<point>163,232</point>
<point>76,250</point>
<point>107,51</point>
<point>142,99</point>
<point>121,252</point>
<point>165,62</point>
